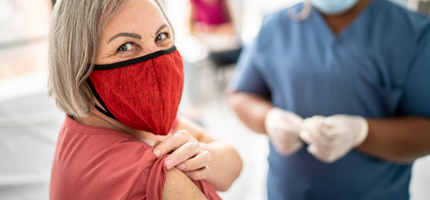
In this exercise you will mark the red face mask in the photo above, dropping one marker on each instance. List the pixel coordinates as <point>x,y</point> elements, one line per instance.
<point>142,93</point>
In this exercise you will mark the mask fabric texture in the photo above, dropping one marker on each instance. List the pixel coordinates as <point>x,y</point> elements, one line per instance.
<point>142,93</point>
<point>333,7</point>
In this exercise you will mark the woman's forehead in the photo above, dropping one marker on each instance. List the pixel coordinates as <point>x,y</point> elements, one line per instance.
<point>139,16</point>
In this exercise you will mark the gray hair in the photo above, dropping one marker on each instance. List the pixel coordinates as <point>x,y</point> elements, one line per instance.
<point>73,43</point>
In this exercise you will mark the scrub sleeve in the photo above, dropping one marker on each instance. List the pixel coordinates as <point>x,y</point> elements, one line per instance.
<point>247,77</point>
<point>416,92</point>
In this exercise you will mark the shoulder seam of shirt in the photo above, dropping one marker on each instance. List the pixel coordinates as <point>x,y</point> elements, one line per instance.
<point>140,175</point>
<point>97,132</point>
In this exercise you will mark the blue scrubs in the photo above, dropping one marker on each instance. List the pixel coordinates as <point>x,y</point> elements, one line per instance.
<point>377,67</point>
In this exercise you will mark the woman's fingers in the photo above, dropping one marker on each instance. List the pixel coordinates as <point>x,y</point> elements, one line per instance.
<point>171,143</point>
<point>182,154</point>
<point>199,174</point>
<point>186,155</point>
<point>201,160</point>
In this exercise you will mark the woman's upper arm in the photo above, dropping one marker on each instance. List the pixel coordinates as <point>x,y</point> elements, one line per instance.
<point>179,186</point>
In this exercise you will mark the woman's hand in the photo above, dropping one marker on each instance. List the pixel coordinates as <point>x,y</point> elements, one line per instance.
<point>186,154</point>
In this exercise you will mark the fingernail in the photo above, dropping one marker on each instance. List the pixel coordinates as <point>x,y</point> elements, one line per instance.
<point>187,173</point>
<point>169,164</point>
<point>157,153</point>
<point>181,166</point>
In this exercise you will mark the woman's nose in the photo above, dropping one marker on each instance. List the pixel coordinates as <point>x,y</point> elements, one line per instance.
<point>150,48</point>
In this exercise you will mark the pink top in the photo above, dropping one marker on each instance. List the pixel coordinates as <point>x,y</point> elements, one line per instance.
<point>209,13</point>
<point>100,163</point>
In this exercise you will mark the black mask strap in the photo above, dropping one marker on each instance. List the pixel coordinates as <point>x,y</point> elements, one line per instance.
<point>93,89</point>
<point>135,60</point>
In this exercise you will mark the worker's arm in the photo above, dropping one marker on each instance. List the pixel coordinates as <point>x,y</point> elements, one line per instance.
<point>407,138</point>
<point>251,109</point>
<point>281,126</point>
<point>179,186</point>
<point>399,139</point>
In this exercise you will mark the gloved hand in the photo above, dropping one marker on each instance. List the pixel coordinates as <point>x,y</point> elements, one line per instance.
<point>330,138</point>
<point>283,128</point>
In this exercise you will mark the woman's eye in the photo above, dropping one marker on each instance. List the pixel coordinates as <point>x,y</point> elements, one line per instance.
<point>125,47</point>
<point>161,36</point>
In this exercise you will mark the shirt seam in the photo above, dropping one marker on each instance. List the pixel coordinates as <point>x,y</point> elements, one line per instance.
<point>140,175</point>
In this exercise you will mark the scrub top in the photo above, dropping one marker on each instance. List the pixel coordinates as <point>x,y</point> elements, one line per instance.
<point>377,67</point>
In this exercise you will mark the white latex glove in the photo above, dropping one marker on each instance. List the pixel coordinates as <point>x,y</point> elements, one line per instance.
<point>330,138</point>
<point>283,128</point>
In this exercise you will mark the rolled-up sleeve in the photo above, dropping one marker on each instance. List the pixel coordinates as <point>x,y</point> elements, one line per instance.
<point>416,96</point>
<point>247,77</point>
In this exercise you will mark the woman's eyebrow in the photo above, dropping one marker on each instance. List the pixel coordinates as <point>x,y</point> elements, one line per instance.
<point>161,28</point>
<point>133,35</point>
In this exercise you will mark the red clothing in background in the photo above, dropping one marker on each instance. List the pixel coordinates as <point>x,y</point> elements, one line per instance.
<point>100,163</point>
<point>209,13</point>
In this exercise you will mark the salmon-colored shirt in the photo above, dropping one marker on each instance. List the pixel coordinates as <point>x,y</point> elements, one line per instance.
<point>100,163</point>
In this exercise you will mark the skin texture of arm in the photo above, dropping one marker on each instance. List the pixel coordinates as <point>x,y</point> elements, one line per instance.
<point>400,140</point>
<point>226,163</point>
<point>178,186</point>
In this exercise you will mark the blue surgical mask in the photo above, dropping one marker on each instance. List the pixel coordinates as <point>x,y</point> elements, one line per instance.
<point>333,7</point>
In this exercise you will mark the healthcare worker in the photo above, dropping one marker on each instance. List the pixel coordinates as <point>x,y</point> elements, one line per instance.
<point>342,89</point>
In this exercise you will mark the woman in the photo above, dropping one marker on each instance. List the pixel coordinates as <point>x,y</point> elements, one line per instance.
<point>342,91</point>
<point>118,56</point>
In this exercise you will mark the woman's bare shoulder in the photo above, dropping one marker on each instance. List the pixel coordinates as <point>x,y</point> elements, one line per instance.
<point>179,186</point>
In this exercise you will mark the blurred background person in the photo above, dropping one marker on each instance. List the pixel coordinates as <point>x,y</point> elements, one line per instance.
<point>342,91</point>
<point>215,38</point>
<point>212,22</point>
<point>210,16</point>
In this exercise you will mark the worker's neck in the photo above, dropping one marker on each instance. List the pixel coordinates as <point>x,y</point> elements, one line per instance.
<point>338,22</point>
